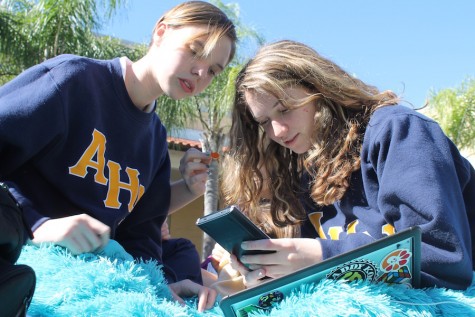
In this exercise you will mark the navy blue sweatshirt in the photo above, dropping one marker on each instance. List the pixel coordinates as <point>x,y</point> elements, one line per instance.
<point>411,174</point>
<point>72,141</point>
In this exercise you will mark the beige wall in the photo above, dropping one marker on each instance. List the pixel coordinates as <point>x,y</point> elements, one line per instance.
<point>182,222</point>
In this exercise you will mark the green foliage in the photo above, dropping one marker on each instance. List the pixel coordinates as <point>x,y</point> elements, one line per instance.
<point>32,31</point>
<point>106,47</point>
<point>175,114</point>
<point>454,110</point>
<point>217,99</point>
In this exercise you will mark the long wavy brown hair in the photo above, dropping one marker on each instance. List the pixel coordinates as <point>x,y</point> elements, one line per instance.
<point>259,170</point>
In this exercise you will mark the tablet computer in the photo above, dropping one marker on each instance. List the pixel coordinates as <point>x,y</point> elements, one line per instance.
<point>230,227</point>
<point>393,259</point>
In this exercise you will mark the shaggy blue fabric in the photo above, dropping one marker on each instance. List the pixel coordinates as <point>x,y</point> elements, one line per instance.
<point>111,284</point>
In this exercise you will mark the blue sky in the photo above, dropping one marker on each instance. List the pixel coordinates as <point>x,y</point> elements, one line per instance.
<point>409,46</point>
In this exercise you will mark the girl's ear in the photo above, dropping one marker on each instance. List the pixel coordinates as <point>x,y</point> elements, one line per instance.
<point>159,32</point>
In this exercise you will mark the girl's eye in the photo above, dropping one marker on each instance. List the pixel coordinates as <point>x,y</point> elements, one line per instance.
<point>212,72</point>
<point>262,123</point>
<point>285,112</point>
<point>195,52</point>
<point>196,49</point>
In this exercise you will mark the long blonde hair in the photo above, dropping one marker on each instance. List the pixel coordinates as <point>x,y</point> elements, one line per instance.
<point>343,104</point>
<point>200,13</point>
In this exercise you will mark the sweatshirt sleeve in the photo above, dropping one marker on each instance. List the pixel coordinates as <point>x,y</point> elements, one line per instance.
<point>413,175</point>
<point>421,178</point>
<point>31,120</point>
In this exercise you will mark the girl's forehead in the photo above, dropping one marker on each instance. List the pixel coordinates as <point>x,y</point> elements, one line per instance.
<point>285,95</point>
<point>258,98</point>
<point>260,103</point>
<point>200,36</point>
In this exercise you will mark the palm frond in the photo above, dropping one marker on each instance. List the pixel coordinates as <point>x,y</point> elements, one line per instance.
<point>454,110</point>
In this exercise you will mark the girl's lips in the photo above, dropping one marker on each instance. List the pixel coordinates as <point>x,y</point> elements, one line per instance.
<point>186,85</point>
<point>289,142</point>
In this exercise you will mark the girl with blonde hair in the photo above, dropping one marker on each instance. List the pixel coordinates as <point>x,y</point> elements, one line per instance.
<point>91,160</point>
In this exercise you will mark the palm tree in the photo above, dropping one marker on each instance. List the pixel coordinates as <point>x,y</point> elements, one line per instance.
<point>454,110</point>
<point>211,111</point>
<point>33,31</point>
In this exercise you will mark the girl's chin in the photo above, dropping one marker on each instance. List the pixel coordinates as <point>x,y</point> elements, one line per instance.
<point>298,150</point>
<point>301,148</point>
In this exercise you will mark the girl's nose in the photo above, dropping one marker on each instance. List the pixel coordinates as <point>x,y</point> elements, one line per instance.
<point>196,71</point>
<point>199,70</point>
<point>280,128</point>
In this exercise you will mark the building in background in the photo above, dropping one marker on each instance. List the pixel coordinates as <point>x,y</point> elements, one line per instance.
<point>182,222</point>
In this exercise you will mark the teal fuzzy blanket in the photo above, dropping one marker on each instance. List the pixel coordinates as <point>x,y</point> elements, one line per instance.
<point>111,284</point>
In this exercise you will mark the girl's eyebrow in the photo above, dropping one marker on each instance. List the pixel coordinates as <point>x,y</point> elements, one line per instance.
<point>277,102</point>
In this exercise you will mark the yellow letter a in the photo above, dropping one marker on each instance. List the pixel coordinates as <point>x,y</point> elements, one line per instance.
<point>98,148</point>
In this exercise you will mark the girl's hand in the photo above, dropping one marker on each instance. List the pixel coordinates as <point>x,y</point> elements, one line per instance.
<point>165,232</point>
<point>250,278</point>
<point>219,256</point>
<point>187,288</point>
<point>79,233</point>
<point>194,170</point>
<point>290,255</point>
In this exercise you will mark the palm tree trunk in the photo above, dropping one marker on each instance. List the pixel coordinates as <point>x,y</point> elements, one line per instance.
<point>211,197</point>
